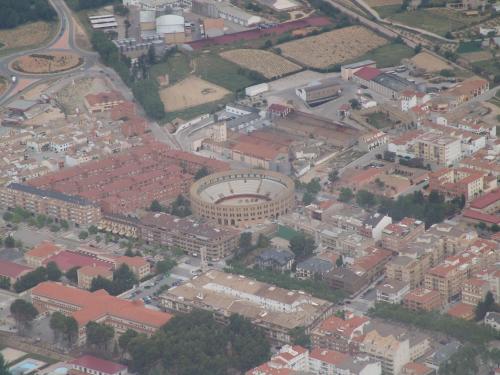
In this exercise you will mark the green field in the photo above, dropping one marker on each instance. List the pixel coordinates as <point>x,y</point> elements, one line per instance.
<point>285,232</point>
<point>177,67</point>
<point>388,10</point>
<point>379,120</point>
<point>467,47</point>
<point>436,20</point>
<point>490,66</point>
<point>388,55</point>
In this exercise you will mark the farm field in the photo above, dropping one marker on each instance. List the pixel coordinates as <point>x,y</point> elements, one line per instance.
<point>50,62</point>
<point>436,20</point>
<point>429,62</point>
<point>32,34</point>
<point>191,92</point>
<point>333,47</point>
<point>386,11</point>
<point>490,66</point>
<point>266,63</point>
<point>473,57</point>
<point>381,3</point>
<point>389,55</point>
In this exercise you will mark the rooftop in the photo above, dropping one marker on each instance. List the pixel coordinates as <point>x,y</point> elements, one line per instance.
<point>97,364</point>
<point>12,270</point>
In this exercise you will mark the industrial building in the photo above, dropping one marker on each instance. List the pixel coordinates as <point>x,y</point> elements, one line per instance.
<point>319,92</point>
<point>171,28</point>
<point>226,11</point>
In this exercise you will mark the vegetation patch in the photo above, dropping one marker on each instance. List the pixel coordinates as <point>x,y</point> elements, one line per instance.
<point>18,12</point>
<point>467,47</point>
<point>52,62</point>
<point>25,36</point>
<point>389,55</point>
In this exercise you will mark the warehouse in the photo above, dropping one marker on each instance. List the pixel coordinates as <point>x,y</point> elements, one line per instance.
<point>171,28</point>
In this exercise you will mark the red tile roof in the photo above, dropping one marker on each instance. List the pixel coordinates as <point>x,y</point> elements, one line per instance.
<point>66,260</point>
<point>43,250</point>
<point>368,73</point>
<point>462,311</point>
<point>97,364</point>
<point>329,356</point>
<point>12,270</point>
<point>479,216</point>
<point>486,200</point>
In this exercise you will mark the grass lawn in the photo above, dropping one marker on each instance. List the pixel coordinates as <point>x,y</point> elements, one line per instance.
<point>388,55</point>
<point>436,20</point>
<point>177,67</point>
<point>490,66</point>
<point>378,120</point>
<point>285,232</point>
<point>388,10</point>
<point>467,47</point>
<point>224,73</point>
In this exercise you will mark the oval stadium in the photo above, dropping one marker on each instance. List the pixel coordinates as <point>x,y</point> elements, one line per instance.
<point>242,197</point>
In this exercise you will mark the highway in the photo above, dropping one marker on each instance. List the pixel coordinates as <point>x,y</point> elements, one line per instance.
<point>64,40</point>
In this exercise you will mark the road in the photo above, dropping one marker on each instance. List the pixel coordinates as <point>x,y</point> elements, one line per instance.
<point>64,40</point>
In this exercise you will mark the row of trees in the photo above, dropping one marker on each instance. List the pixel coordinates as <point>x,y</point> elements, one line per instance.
<point>17,12</point>
<point>181,207</point>
<point>50,272</point>
<point>19,215</point>
<point>197,344</point>
<point>311,189</point>
<point>145,91</point>
<point>123,280</point>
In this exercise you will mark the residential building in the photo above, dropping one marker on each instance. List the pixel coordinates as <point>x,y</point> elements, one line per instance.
<point>98,307</point>
<point>88,364</point>
<point>416,368</point>
<point>66,260</point>
<point>492,319</point>
<point>347,280</point>
<point>474,290</point>
<point>138,265</point>
<point>277,311</point>
<point>442,354</point>
<point>103,101</point>
<point>405,269</point>
<point>373,226</point>
<point>287,361</point>
<point>51,203</point>
<point>371,265</point>
<point>435,147</point>
<point>342,335</point>
<point>392,291</point>
<point>457,182</point>
<point>313,268</point>
<point>37,256</point>
<point>189,235</point>
<point>462,311</point>
<point>396,236</point>
<point>88,273</point>
<point>423,299</point>
<point>331,362</point>
<point>12,271</point>
<point>278,260</point>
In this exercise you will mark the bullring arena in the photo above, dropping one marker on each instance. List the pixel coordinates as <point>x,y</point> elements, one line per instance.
<point>242,197</point>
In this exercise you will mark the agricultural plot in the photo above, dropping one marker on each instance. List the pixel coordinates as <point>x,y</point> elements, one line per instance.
<point>430,63</point>
<point>266,63</point>
<point>333,47</point>
<point>191,92</point>
<point>32,34</point>
<point>381,3</point>
<point>53,62</point>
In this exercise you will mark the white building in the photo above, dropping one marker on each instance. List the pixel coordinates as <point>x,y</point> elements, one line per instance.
<point>256,89</point>
<point>330,362</point>
<point>392,291</point>
<point>236,15</point>
<point>492,319</point>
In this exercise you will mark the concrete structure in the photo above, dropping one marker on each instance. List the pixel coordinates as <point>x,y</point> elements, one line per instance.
<point>319,92</point>
<point>275,259</point>
<point>103,101</point>
<point>423,299</point>
<point>189,235</point>
<point>171,28</point>
<point>397,235</point>
<point>88,273</point>
<point>347,71</point>
<point>277,311</point>
<point>51,203</point>
<point>457,182</point>
<point>99,306</point>
<point>438,148</point>
<point>226,11</point>
<point>392,291</point>
<point>241,197</point>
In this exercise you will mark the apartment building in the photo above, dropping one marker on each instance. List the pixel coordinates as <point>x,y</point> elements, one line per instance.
<point>437,148</point>
<point>277,311</point>
<point>59,206</point>
<point>392,291</point>
<point>405,269</point>
<point>288,360</point>
<point>331,362</point>
<point>88,273</point>
<point>458,182</point>
<point>474,290</point>
<point>138,265</point>
<point>339,334</point>
<point>396,236</point>
<point>12,271</point>
<point>373,226</point>
<point>37,256</point>
<point>98,307</point>
<point>189,235</point>
<point>423,299</point>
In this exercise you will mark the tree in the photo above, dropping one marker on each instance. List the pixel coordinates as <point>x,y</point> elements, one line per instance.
<point>417,49</point>
<point>202,172</point>
<point>307,198</point>
<point>355,104</point>
<point>100,282</point>
<point>333,176</point>
<point>124,340</point>
<point>23,313</point>
<point>164,266</point>
<point>64,224</point>
<point>83,235</point>
<point>436,197</point>
<point>156,206</point>
<point>485,306</point>
<point>245,241</point>
<point>302,246</point>
<point>4,283</point>
<point>345,195</point>
<point>151,55</point>
<point>299,337</point>
<point>30,280</point>
<point>365,199</point>
<point>99,335</point>
<point>93,229</point>
<point>9,242</point>
<point>340,261</point>
<point>181,207</point>
<point>53,271</point>
<point>4,367</point>
<point>72,274</point>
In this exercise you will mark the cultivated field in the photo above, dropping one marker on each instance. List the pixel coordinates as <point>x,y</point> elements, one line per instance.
<point>49,62</point>
<point>429,62</point>
<point>476,56</point>
<point>26,35</point>
<point>266,63</point>
<point>191,92</point>
<point>333,47</point>
<point>381,3</point>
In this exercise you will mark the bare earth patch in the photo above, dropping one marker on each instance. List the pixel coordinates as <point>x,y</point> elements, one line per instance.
<point>381,3</point>
<point>47,62</point>
<point>3,84</point>
<point>266,63</point>
<point>333,47</point>
<point>429,63</point>
<point>26,35</point>
<point>191,92</point>
<point>476,56</point>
